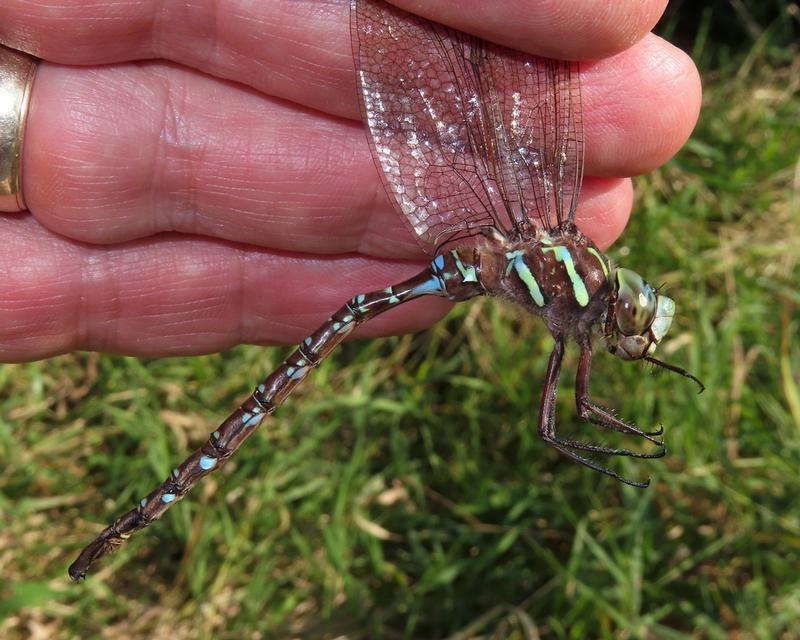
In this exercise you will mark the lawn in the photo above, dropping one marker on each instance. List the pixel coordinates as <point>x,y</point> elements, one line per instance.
<point>403,491</point>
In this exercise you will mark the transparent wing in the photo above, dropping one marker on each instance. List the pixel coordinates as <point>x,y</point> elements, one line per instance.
<point>466,134</point>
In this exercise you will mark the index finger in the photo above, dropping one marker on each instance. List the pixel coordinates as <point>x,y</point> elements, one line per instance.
<point>300,50</point>
<point>562,29</point>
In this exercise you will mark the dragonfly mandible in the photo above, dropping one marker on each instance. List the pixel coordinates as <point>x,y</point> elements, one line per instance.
<point>480,149</point>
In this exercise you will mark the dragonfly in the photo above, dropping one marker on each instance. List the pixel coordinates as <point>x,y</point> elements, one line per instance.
<point>480,149</point>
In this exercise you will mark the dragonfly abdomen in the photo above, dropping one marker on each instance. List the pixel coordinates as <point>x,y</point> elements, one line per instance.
<point>460,273</point>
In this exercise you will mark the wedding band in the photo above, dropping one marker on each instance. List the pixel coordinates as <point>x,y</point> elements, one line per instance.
<point>17,70</point>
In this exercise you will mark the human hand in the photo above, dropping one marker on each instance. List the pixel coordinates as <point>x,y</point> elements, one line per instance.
<point>199,176</point>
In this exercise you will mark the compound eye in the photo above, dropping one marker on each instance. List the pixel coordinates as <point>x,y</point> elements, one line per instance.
<point>636,303</point>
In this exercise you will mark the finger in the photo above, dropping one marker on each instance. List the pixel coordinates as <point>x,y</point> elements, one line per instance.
<point>562,29</point>
<point>114,154</point>
<point>641,106</point>
<point>118,153</point>
<point>300,49</point>
<point>604,208</point>
<point>177,295</point>
<point>295,49</point>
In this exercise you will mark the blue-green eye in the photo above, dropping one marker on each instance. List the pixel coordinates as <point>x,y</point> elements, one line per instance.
<point>636,303</point>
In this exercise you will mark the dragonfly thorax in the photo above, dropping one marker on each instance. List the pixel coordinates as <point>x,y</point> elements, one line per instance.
<point>559,267</point>
<point>558,274</point>
<point>562,277</point>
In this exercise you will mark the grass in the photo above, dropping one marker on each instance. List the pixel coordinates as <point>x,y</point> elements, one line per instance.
<point>402,492</point>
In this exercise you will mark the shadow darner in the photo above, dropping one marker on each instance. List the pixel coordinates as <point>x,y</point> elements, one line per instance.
<point>481,150</point>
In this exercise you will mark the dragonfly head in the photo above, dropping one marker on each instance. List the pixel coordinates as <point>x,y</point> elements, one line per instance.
<point>638,317</point>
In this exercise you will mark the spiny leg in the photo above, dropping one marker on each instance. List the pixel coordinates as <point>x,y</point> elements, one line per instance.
<point>547,421</point>
<point>594,448</point>
<point>242,423</point>
<point>601,416</point>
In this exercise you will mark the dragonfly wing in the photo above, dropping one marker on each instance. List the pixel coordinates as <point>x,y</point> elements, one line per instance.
<point>466,134</point>
<point>538,123</point>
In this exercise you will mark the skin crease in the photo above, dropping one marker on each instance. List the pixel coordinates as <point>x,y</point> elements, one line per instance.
<point>198,177</point>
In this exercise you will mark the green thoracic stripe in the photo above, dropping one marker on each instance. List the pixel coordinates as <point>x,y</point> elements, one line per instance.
<point>578,287</point>
<point>516,261</point>
<point>602,262</point>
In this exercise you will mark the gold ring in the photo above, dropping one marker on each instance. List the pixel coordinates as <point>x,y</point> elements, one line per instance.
<point>17,70</point>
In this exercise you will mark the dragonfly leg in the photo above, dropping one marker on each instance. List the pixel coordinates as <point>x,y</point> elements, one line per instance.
<point>601,416</point>
<point>593,448</point>
<point>547,425</point>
